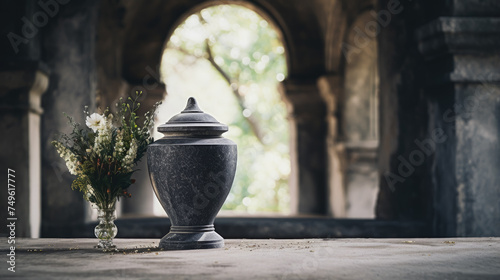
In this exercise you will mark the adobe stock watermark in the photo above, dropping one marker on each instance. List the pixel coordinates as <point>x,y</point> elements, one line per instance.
<point>11,219</point>
<point>372,28</point>
<point>416,158</point>
<point>211,190</point>
<point>149,81</point>
<point>39,19</point>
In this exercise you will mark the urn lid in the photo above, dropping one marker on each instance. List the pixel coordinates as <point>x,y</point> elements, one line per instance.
<point>192,121</point>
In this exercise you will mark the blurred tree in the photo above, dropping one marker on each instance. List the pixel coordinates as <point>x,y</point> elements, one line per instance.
<point>247,54</point>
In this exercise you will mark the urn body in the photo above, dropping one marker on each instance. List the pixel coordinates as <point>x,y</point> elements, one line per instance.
<point>192,170</point>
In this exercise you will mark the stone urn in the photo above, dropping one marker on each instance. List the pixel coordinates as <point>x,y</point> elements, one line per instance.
<point>192,170</point>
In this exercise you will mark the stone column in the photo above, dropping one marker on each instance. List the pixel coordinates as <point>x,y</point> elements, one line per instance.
<point>23,80</point>
<point>440,115</point>
<point>463,85</point>
<point>308,147</point>
<point>329,88</point>
<point>22,85</point>
<point>403,111</point>
<point>69,40</point>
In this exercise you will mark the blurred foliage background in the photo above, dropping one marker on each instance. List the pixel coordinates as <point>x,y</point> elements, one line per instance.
<point>231,60</point>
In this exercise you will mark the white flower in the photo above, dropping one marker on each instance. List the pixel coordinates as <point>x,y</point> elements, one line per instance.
<point>68,157</point>
<point>104,134</point>
<point>119,148</point>
<point>95,121</point>
<point>128,160</point>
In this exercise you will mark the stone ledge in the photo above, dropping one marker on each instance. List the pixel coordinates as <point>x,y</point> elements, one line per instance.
<point>276,227</point>
<point>259,227</point>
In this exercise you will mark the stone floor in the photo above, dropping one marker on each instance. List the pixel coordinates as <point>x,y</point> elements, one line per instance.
<point>456,258</point>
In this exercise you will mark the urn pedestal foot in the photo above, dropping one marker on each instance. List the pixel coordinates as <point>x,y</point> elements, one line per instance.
<point>191,237</point>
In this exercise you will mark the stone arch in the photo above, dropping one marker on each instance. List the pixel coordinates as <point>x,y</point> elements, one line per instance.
<point>142,38</point>
<point>356,19</point>
<point>274,19</point>
<point>131,39</point>
<point>230,94</point>
<point>335,29</point>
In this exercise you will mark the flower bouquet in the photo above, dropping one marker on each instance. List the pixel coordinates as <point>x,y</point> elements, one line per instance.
<point>103,154</point>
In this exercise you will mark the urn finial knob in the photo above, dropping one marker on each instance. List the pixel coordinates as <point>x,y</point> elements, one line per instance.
<point>192,106</point>
<point>193,121</point>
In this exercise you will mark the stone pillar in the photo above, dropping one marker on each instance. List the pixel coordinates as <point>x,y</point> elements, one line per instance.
<point>23,80</point>
<point>308,147</point>
<point>22,85</point>
<point>330,88</point>
<point>68,44</point>
<point>463,85</point>
<point>403,114</point>
<point>440,115</point>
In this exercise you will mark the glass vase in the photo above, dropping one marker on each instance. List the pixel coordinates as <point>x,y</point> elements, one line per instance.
<point>106,230</point>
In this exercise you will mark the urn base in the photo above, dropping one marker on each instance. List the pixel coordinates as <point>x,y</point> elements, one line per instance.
<point>191,237</point>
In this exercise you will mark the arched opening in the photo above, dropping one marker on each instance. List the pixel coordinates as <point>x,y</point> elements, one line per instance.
<point>232,59</point>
